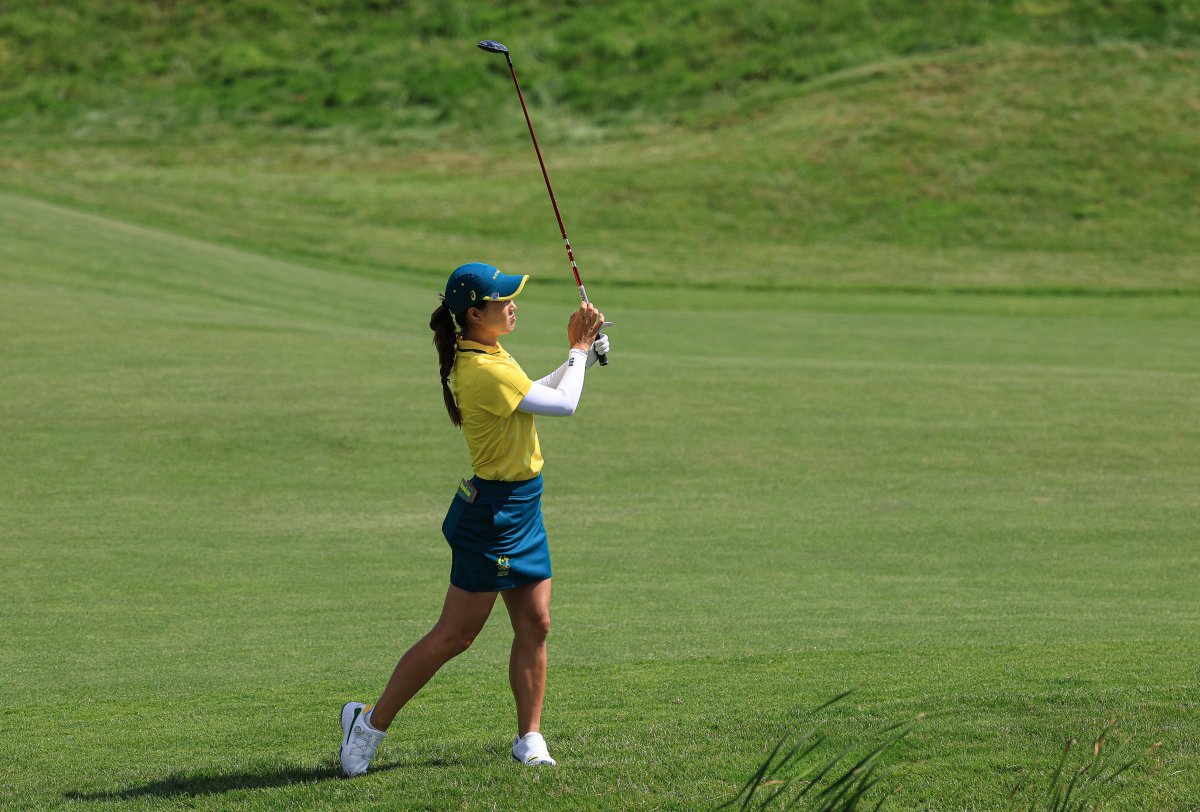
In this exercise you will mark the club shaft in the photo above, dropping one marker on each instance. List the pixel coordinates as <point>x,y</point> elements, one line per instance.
<point>546,177</point>
<point>550,190</point>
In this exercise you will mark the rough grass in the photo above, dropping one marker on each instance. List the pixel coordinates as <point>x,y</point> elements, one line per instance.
<point>1009,169</point>
<point>386,67</point>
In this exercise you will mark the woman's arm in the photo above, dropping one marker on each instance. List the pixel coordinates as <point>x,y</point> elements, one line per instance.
<point>554,378</point>
<point>600,345</point>
<point>562,397</point>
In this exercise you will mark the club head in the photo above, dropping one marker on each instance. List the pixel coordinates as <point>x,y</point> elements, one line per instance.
<point>493,46</point>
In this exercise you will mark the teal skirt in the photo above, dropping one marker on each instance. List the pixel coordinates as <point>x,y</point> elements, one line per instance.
<point>496,534</point>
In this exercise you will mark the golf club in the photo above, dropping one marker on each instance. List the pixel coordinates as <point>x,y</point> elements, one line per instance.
<point>498,48</point>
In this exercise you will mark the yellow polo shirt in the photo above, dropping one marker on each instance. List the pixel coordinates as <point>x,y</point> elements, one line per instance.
<point>487,385</point>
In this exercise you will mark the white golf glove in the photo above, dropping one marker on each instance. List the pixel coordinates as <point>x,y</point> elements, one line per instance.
<point>599,347</point>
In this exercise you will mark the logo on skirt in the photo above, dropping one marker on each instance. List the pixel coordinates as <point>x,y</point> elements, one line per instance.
<point>502,565</point>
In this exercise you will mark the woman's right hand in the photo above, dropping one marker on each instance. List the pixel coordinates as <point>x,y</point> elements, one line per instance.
<point>583,326</point>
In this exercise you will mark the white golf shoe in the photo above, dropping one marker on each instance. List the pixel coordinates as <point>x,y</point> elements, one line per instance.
<point>531,749</point>
<point>359,739</point>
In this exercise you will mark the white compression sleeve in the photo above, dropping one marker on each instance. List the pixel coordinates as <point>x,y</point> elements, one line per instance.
<point>554,378</point>
<point>562,399</point>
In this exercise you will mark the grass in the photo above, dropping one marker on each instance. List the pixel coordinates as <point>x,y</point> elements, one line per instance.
<point>797,773</point>
<point>902,399</point>
<point>1090,785</point>
<point>404,67</point>
<point>977,507</point>
<point>957,173</point>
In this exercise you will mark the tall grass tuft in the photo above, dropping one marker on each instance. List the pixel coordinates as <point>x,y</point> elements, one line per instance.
<point>1083,788</point>
<point>826,786</point>
<point>784,780</point>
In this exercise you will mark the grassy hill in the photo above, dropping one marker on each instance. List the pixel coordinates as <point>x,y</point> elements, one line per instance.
<point>386,66</point>
<point>1007,146</point>
<point>1006,167</point>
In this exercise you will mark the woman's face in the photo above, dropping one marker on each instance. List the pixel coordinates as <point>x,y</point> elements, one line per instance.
<point>497,318</point>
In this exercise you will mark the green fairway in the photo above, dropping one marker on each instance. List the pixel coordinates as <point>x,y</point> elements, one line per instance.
<point>225,475</point>
<point>904,393</point>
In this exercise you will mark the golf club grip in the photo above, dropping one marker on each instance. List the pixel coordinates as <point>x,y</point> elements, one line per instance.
<point>603,359</point>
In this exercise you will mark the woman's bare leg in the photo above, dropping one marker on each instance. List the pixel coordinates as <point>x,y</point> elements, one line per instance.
<point>529,610</point>
<point>463,616</point>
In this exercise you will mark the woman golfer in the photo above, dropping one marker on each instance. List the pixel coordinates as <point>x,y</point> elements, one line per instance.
<point>494,524</point>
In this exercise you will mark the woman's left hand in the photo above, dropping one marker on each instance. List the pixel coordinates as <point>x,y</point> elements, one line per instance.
<point>599,347</point>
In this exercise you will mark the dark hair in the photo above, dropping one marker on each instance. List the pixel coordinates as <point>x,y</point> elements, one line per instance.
<point>445,338</point>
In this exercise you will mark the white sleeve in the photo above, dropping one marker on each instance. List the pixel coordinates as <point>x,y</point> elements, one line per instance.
<point>562,399</point>
<point>555,378</point>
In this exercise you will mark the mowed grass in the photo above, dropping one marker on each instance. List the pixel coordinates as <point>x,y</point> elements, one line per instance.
<point>225,472</point>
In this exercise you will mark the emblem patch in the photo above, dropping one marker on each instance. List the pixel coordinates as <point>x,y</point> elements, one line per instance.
<point>467,490</point>
<point>502,565</point>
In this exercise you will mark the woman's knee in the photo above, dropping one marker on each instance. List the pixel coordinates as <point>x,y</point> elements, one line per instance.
<point>533,627</point>
<point>453,642</point>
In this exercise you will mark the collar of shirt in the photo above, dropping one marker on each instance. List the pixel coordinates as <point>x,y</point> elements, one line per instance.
<point>464,344</point>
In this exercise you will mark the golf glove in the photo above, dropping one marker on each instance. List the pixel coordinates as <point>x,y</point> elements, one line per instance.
<point>599,347</point>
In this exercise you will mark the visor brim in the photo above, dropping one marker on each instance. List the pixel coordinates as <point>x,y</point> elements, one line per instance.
<point>508,283</point>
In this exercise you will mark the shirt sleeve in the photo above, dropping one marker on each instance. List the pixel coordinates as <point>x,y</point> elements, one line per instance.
<point>501,386</point>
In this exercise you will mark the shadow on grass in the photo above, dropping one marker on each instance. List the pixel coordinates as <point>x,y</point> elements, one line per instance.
<point>180,784</point>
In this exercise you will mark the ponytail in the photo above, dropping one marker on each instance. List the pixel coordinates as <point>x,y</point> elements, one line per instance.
<point>445,338</point>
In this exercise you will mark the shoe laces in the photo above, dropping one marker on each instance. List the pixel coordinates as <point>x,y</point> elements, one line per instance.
<point>364,742</point>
